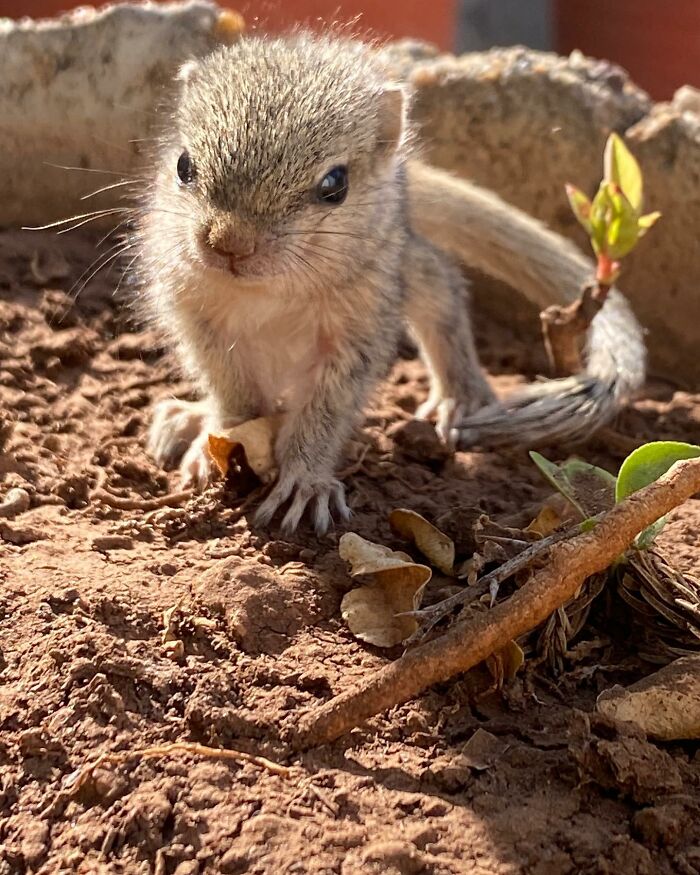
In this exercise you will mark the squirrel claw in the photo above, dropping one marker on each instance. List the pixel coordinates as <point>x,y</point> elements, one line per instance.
<point>174,430</point>
<point>325,496</point>
<point>195,468</point>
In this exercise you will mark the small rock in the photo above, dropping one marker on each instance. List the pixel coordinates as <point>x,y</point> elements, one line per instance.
<point>419,441</point>
<point>630,766</point>
<point>16,501</point>
<point>20,537</point>
<point>661,825</point>
<point>665,705</point>
<point>105,543</point>
<point>482,750</point>
<point>233,862</point>
<point>436,808</point>
<point>451,773</point>
<point>73,347</point>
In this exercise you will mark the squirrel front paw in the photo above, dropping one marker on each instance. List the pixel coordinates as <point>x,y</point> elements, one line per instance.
<point>176,426</point>
<point>178,432</point>
<point>195,468</point>
<point>305,490</point>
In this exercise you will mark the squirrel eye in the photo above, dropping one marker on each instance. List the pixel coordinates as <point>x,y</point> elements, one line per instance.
<point>333,188</point>
<point>185,168</point>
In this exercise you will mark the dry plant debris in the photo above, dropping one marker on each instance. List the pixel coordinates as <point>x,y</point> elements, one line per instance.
<point>77,779</point>
<point>377,611</point>
<point>248,447</point>
<point>438,549</point>
<point>474,639</point>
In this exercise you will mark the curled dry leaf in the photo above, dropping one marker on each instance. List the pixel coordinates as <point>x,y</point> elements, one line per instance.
<point>433,544</point>
<point>249,445</point>
<point>546,522</point>
<point>505,663</point>
<point>394,585</point>
<point>171,617</point>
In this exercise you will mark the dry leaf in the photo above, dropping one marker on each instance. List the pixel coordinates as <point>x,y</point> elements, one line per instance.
<point>505,663</point>
<point>175,650</point>
<point>171,624</point>
<point>248,445</point>
<point>546,522</point>
<point>433,544</point>
<point>666,705</point>
<point>395,585</point>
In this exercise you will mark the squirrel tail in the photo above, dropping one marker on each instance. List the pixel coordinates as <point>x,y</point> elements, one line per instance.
<point>485,233</point>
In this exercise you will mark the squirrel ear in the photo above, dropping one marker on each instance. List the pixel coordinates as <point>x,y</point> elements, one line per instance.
<point>184,74</point>
<point>391,116</point>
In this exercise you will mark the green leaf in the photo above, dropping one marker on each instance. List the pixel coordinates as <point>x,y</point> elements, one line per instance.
<point>600,209</point>
<point>648,221</point>
<point>649,462</point>
<point>580,206</point>
<point>623,228</point>
<point>586,487</point>
<point>645,465</point>
<point>621,167</point>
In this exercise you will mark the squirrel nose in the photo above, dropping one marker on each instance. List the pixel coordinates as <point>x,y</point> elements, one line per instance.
<point>228,244</point>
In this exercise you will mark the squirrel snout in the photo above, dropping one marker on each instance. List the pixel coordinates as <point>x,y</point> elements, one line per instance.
<point>230,243</point>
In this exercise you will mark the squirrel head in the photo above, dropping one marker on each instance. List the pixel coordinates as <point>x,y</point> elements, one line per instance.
<point>282,153</point>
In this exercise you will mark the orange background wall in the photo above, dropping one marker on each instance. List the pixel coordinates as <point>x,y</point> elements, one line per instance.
<point>657,41</point>
<point>431,20</point>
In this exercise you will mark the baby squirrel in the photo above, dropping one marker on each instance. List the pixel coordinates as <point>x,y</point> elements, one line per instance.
<point>288,237</point>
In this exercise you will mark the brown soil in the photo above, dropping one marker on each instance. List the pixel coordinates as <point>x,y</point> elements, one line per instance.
<point>545,787</point>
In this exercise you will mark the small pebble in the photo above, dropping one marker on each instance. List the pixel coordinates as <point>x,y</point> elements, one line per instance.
<point>104,543</point>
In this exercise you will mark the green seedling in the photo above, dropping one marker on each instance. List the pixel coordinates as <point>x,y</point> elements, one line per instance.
<point>590,489</point>
<point>645,465</point>
<point>587,488</point>
<point>613,220</point>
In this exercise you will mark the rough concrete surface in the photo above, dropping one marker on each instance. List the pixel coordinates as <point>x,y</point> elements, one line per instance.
<point>524,123</point>
<point>82,90</point>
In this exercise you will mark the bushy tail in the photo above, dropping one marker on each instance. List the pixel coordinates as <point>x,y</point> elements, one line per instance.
<point>484,232</point>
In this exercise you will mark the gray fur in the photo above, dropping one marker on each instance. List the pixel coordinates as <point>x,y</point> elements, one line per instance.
<point>276,301</point>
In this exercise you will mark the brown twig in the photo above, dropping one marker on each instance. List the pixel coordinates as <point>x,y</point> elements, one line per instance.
<point>490,582</point>
<point>172,499</point>
<point>564,329</point>
<point>115,759</point>
<point>471,641</point>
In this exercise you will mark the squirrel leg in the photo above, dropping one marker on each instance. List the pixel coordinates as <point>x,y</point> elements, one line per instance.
<point>180,430</point>
<point>437,313</point>
<point>311,441</point>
